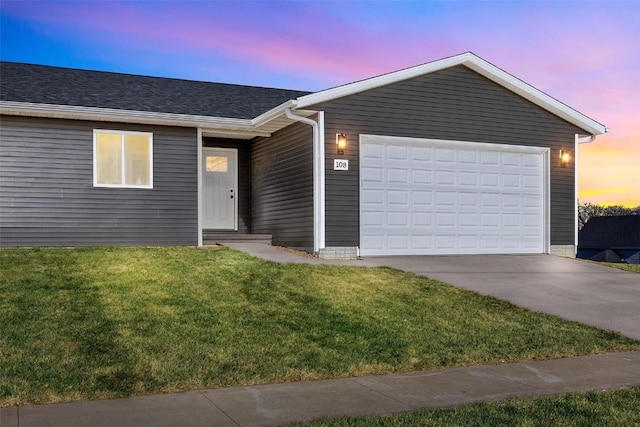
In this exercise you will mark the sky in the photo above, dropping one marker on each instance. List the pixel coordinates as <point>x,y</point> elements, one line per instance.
<point>584,53</point>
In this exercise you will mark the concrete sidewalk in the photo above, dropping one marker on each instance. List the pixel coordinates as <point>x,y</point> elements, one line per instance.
<point>279,404</point>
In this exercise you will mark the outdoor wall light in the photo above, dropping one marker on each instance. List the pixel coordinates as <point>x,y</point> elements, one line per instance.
<point>341,142</point>
<point>565,157</point>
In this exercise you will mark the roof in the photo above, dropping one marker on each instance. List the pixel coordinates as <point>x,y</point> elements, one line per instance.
<point>478,65</point>
<point>67,86</point>
<point>610,232</point>
<point>243,111</point>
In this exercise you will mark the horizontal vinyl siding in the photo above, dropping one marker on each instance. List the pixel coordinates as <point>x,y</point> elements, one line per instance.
<point>47,197</point>
<point>452,104</point>
<point>282,187</point>
<point>244,177</point>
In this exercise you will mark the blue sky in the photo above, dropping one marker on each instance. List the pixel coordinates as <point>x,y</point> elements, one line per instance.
<point>583,53</point>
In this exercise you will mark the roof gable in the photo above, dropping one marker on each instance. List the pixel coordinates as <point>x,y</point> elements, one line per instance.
<point>476,64</point>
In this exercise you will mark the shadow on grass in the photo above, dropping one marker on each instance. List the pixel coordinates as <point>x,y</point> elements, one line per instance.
<point>317,328</point>
<point>64,342</point>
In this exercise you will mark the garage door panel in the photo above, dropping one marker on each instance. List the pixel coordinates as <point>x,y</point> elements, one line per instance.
<point>445,155</point>
<point>371,151</point>
<point>372,174</point>
<point>421,219</point>
<point>421,177</point>
<point>445,177</point>
<point>423,198</point>
<point>468,179</point>
<point>468,157</point>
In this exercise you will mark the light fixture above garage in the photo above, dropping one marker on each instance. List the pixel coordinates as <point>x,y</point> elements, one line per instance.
<point>565,157</point>
<point>341,142</point>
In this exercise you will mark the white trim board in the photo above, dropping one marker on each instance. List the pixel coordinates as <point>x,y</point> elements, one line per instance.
<point>478,65</point>
<point>236,190</point>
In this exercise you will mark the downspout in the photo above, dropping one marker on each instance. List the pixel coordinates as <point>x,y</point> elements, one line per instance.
<point>575,162</point>
<point>318,188</point>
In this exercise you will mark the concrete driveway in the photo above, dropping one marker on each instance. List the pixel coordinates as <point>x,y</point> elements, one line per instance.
<point>576,290</point>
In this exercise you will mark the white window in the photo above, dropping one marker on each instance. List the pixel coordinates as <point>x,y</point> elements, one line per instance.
<point>122,159</point>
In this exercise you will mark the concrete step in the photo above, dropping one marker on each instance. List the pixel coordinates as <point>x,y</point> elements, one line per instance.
<point>214,238</point>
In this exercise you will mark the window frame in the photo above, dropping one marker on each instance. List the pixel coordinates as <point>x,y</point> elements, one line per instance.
<point>122,135</point>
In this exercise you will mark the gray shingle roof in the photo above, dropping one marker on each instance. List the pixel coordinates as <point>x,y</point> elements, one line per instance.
<point>67,86</point>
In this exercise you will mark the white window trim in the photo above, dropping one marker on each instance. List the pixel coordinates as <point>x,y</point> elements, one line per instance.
<point>122,135</point>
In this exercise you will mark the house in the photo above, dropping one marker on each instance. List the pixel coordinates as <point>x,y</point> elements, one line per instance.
<point>611,239</point>
<point>454,156</point>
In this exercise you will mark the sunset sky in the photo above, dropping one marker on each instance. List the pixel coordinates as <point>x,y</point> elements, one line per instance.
<point>586,54</point>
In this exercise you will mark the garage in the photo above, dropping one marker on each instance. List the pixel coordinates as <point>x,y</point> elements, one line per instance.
<point>439,197</point>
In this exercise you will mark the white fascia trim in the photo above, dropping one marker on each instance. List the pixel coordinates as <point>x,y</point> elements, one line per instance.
<point>233,134</point>
<point>125,116</point>
<point>478,65</point>
<point>534,95</point>
<point>274,113</point>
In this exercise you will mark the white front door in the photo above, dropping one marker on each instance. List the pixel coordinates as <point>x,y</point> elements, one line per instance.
<point>220,188</point>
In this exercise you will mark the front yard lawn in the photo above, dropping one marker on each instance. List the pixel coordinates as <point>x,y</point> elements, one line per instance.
<point>111,322</point>
<point>605,408</point>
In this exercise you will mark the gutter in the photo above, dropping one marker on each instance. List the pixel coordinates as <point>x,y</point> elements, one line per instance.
<point>74,112</point>
<point>318,176</point>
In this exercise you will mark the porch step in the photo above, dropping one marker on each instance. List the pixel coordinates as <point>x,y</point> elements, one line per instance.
<point>214,238</point>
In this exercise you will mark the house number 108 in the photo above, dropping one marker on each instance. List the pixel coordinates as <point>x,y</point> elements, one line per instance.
<point>340,165</point>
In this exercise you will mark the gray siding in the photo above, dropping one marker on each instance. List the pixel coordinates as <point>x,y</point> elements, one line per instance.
<point>244,177</point>
<point>454,104</point>
<point>282,187</point>
<point>47,196</point>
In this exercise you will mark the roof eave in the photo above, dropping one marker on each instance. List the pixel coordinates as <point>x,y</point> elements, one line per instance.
<point>478,65</point>
<point>240,127</point>
<point>534,95</point>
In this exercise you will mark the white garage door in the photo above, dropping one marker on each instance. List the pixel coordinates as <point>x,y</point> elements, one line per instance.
<point>423,197</point>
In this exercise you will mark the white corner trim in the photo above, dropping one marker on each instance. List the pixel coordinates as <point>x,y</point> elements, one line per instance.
<point>576,147</point>
<point>199,168</point>
<point>478,65</point>
<point>547,200</point>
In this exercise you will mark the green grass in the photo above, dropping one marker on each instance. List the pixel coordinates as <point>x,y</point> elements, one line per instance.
<point>112,322</point>
<point>617,408</point>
